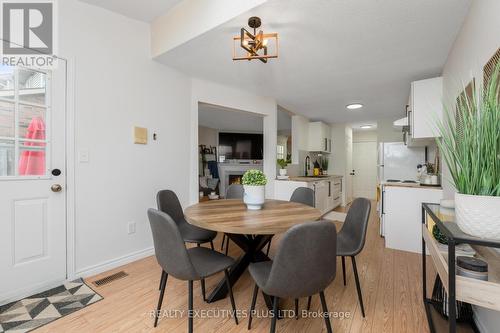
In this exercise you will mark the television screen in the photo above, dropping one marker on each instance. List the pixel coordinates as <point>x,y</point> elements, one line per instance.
<point>241,146</point>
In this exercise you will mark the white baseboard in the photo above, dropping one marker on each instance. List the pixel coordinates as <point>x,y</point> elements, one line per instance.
<point>28,291</point>
<point>113,263</point>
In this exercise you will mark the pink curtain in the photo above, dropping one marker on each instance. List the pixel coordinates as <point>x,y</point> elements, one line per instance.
<point>32,162</point>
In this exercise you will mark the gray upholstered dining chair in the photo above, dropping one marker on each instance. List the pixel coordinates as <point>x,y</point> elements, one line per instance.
<point>195,263</point>
<point>304,265</point>
<point>303,195</point>
<point>351,240</point>
<point>168,202</point>
<point>234,191</point>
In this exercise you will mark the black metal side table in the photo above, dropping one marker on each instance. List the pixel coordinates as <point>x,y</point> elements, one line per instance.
<point>482,293</point>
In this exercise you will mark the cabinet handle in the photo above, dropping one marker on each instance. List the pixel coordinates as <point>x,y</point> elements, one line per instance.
<point>337,198</point>
<point>329,189</point>
<point>326,144</point>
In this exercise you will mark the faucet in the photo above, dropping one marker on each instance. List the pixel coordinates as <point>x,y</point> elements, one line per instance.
<point>307,165</point>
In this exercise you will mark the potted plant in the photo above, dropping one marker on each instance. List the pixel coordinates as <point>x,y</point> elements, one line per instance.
<point>254,182</point>
<point>282,163</point>
<point>324,165</point>
<point>470,145</point>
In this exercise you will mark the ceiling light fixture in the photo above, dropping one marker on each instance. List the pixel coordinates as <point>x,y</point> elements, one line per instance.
<point>366,126</point>
<point>257,45</point>
<point>354,106</point>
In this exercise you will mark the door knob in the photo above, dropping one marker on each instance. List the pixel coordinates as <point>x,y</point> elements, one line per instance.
<point>56,188</point>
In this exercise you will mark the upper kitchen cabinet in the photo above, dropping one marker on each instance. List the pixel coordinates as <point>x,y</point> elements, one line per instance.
<point>319,137</point>
<point>426,108</point>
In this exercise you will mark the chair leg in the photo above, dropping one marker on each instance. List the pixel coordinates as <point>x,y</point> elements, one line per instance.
<point>197,244</point>
<point>309,303</point>
<point>343,269</point>
<point>275,314</point>
<point>227,245</point>
<point>212,245</point>
<point>202,281</point>
<point>268,248</point>
<point>325,311</point>
<point>230,289</point>
<point>190,306</point>
<point>223,240</point>
<point>163,286</point>
<point>252,306</point>
<point>358,287</point>
<point>296,309</point>
<point>163,274</point>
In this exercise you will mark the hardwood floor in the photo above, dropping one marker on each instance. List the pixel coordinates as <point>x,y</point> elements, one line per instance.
<point>390,281</point>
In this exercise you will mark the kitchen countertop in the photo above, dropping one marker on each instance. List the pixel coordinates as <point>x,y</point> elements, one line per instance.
<point>411,185</point>
<point>310,179</point>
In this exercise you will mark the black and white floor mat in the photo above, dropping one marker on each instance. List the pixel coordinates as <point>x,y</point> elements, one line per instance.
<point>40,309</point>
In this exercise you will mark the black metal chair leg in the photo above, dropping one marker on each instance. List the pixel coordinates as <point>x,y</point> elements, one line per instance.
<point>325,311</point>
<point>223,240</point>
<point>203,289</point>
<point>212,245</point>
<point>268,248</point>
<point>163,286</point>
<point>343,269</point>
<point>275,314</point>
<point>296,309</point>
<point>190,306</point>
<point>230,289</point>
<point>252,306</point>
<point>358,287</point>
<point>197,244</point>
<point>227,244</point>
<point>309,303</point>
<point>163,274</point>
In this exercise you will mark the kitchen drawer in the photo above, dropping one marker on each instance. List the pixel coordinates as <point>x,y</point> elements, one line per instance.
<point>337,200</point>
<point>336,189</point>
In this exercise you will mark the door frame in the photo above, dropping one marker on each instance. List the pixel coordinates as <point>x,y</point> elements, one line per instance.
<point>376,145</point>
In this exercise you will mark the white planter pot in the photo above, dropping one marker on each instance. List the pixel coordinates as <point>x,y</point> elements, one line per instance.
<point>478,215</point>
<point>282,172</point>
<point>254,196</point>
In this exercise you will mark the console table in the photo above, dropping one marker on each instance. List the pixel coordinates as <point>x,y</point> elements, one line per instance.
<point>477,292</point>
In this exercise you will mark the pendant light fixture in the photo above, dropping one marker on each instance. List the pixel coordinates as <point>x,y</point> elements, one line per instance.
<point>257,45</point>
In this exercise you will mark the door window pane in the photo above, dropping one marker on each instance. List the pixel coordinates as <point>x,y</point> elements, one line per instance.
<point>32,159</point>
<point>31,122</point>
<point>6,82</point>
<point>6,119</point>
<point>7,158</point>
<point>32,86</point>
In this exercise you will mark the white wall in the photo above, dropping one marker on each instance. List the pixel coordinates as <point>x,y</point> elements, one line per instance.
<point>386,131</point>
<point>229,97</point>
<point>364,136</point>
<point>118,86</point>
<point>207,136</point>
<point>477,41</point>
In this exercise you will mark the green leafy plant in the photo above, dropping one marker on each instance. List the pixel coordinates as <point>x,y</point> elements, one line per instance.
<point>282,163</point>
<point>470,141</point>
<point>254,178</point>
<point>324,163</point>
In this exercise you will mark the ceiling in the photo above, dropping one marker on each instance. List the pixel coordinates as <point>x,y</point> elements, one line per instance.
<point>226,119</point>
<point>143,10</point>
<point>332,53</point>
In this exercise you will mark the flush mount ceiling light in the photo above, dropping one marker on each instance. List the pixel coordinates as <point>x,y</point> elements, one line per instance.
<point>365,126</point>
<point>257,45</point>
<point>354,106</point>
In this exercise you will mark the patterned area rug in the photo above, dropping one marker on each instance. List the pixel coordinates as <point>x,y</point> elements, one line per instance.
<point>40,309</point>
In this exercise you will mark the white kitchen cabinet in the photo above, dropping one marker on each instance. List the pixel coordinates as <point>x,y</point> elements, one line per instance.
<point>319,137</point>
<point>426,108</point>
<point>402,215</point>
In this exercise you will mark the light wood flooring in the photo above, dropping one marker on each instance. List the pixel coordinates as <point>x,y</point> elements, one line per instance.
<point>390,280</point>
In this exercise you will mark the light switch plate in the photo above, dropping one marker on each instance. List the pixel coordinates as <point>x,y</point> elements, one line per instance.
<point>131,228</point>
<point>83,156</point>
<point>140,135</point>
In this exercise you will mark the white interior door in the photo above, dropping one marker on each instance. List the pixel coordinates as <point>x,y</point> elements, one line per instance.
<point>32,191</point>
<point>348,182</point>
<point>364,164</point>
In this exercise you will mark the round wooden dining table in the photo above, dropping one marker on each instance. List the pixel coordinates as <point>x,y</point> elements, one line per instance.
<point>250,230</point>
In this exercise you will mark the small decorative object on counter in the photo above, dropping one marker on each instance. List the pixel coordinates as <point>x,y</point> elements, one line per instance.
<point>316,168</point>
<point>282,163</point>
<point>470,148</point>
<point>324,165</point>
<point>473,268</point>
<point>254,182</point>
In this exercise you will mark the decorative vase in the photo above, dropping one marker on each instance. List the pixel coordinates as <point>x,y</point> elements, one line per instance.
<point>254,196</point>
<point>282,172</point>
<point>478,215</point>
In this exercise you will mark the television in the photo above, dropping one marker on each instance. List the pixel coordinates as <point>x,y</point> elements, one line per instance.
<point>241,146</point>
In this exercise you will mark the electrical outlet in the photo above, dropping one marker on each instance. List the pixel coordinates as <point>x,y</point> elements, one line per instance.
<point>131,228</point>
